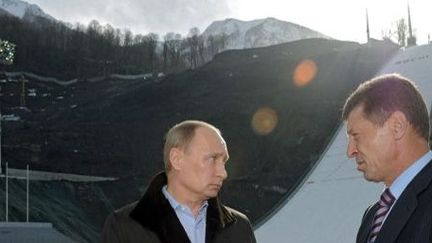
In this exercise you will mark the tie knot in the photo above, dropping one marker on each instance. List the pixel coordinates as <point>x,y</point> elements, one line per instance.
<point>387,198</point>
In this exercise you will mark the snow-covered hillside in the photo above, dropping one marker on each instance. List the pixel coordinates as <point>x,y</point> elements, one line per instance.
<point>23,9</point>
<point>259,33</point>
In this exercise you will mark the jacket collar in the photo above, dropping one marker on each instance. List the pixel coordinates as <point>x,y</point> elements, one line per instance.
<point>405,205</point>
<point>155,213</point>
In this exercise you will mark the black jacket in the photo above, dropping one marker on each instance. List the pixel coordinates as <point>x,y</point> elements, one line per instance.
<point>153,220</point>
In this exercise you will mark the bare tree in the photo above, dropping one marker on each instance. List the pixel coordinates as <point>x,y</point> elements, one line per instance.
<point>165,51</point>
<point>171,49</point>
<point>176,50</point>
<point>109,34</point>
<point>402,31</point>
<point>193,45</point>
<point>201,50</point>
<point>94,32</point>
<point>108,43</point>
<point>217,43</point>
<point>128,38</point>
<point>397,33</point>
<point>211,44</point>
<point>151,41</point>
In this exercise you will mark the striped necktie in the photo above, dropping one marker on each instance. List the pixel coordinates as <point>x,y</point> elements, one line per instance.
<point>385,204</point>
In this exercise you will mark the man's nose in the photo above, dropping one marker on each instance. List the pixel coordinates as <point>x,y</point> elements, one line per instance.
<point>221,171</point>
<point>351,149</point>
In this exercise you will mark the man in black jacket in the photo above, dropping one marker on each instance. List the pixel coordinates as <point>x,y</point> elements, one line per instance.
<point>181,204</point>
<point>388,135</point>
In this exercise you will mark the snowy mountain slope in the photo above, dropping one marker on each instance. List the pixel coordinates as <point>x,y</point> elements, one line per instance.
<point>259,33</point>
<point>23,9</point>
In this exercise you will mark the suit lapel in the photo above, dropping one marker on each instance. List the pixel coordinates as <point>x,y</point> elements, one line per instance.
<point>405,206</point>
<point>217,218</point>
<point>366,224</point>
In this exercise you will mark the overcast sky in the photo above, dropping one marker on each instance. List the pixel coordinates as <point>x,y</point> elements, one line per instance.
<point>341,19</point>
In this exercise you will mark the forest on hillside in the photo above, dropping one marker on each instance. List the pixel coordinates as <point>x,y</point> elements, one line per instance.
<point>68,51</point>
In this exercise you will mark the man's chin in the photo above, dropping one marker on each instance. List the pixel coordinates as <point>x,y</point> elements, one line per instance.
<point>370,178</point>
<point>213,192</point>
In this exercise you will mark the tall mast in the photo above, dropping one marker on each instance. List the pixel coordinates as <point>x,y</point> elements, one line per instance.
<point>367,26</point>
<point>411,40</point>
<point>409,23</point>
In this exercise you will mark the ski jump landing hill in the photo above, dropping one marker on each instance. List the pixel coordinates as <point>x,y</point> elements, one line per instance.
<point>328,205</point>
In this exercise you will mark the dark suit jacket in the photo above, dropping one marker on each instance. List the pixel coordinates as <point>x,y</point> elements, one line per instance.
<point>410,220</point>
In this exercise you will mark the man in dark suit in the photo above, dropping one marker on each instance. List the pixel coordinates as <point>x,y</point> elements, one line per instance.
<point>388,136</point>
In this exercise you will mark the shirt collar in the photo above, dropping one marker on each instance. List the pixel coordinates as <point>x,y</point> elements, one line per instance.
<point>175,204</point>
<point>399,185</point>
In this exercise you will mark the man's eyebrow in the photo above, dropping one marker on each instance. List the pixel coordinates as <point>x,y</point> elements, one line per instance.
<point>217,154</point>
<point>224,155</point>
<point>350,131</point>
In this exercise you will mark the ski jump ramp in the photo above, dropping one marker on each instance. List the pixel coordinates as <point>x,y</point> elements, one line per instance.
<point>328,205</point>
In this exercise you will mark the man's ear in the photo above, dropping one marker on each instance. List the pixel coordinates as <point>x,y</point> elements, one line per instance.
<point>399,124</point>
<point>176,158</point>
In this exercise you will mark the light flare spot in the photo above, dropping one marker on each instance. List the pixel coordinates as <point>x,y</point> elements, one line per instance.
<point>305,72</point>
<point>264,120</point>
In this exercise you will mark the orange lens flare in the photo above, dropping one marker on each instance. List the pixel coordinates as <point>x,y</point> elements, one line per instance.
<point>264,120</point>
<point>305,71</point>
